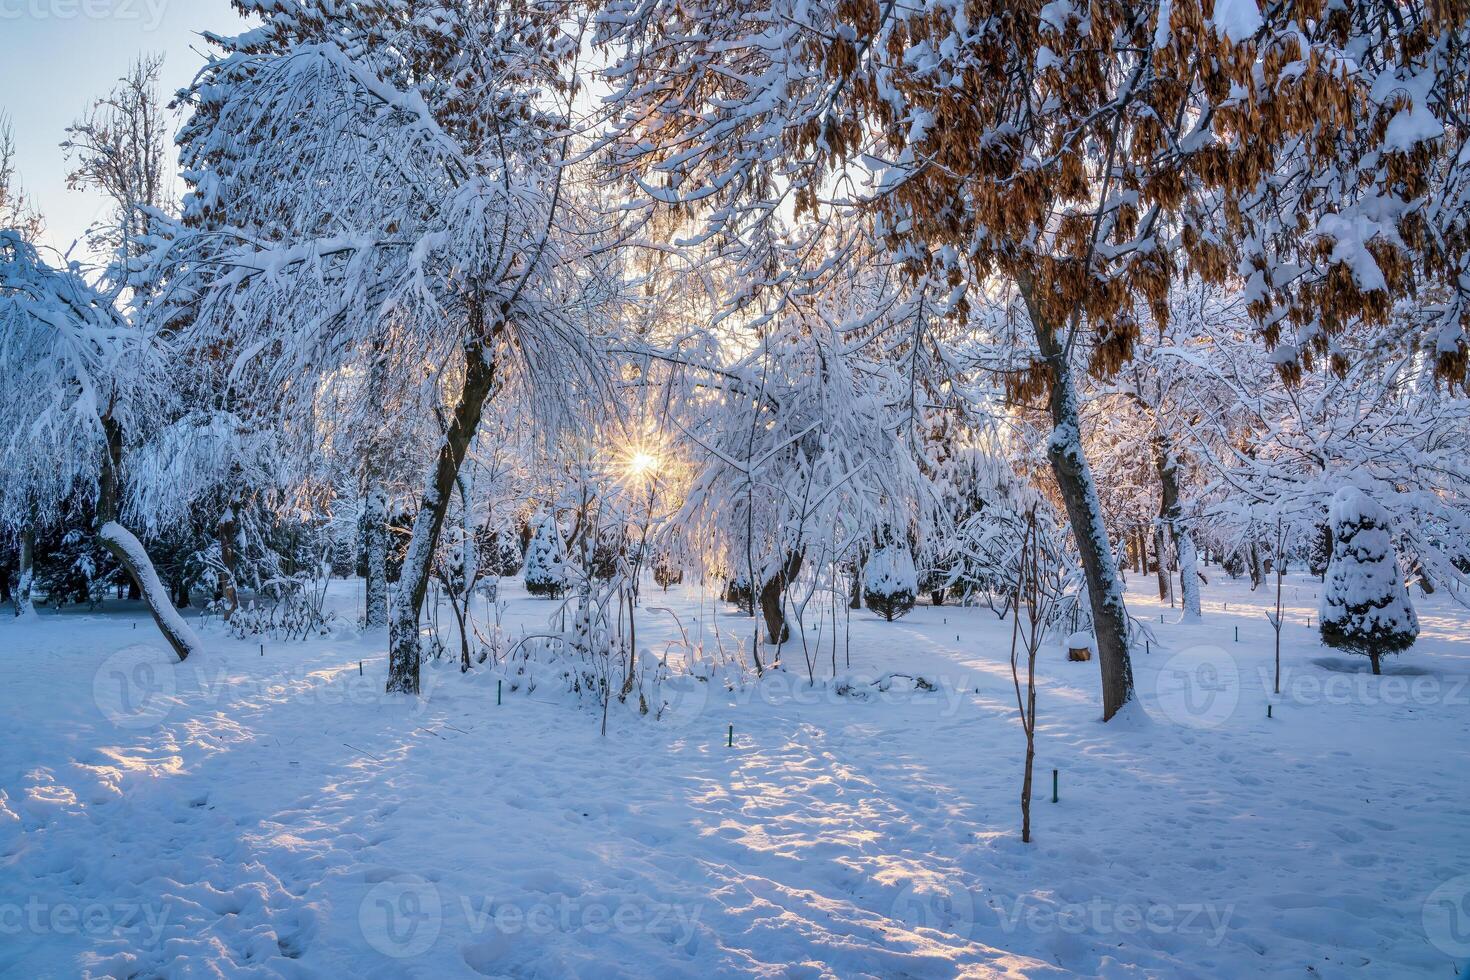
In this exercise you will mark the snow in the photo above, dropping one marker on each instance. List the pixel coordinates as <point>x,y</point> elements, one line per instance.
<point>890,570</point>
<point>1237,20</point>
<point>242,814</point>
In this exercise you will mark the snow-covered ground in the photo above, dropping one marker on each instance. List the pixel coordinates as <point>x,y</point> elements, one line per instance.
<point>274,814</point>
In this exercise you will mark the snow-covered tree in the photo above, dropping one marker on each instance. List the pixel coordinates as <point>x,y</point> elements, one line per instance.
<point>546,560</point>
<point>392,184</point>
<point>1365,608</point>
<point>80,386</point>
<point>889,582</point>
<point>1082,154</point>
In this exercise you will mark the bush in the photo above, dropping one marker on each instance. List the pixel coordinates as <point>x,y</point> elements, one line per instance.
<point>890,582</point>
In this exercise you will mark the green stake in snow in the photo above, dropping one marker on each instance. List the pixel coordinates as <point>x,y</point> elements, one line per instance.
<point>262,649</point>
<point>1237,634</point>
<point>1268,711</point>
<point>1054,797</point>
<point>730,737</point>
<point>497,691</point>
<point>359,668</point>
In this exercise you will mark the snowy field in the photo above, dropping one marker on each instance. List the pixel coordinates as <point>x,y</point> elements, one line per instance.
<point>272,814</point>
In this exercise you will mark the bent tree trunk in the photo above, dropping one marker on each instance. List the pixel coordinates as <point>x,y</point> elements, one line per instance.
<point>375,556</point>
<point>1085,513</point>
<point>131,554</point>
<point>413,583</point>
<point>1171,512</point>
<point>23,604</point>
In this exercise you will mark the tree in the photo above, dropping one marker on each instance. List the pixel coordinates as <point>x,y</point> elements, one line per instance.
<point>79,384</point>
<point>16,211</point>
<point>546,560</point>
<point>119,148</point>
<point>393,182</point>
<point>1085,155</point>
<point>1365,607</point>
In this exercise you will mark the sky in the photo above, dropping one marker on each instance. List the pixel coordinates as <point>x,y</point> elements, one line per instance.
<point>57,56</point>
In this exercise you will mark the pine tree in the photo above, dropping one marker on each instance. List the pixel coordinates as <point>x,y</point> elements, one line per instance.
<point>500,550</point>
<point>546,560</point>
<point>1365,607</point>
<point>890,581</point>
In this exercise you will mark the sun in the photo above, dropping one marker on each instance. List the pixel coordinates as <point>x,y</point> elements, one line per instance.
<point>642,464</point>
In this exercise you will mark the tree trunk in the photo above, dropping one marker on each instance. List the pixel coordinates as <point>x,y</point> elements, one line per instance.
<point>413,582</point>
<point>1085,513</point>
<point>130,553</point>
<point>375,552</point>
<point>1375,657</point>
<point>226,530</point>
<point>23,604</point>
<point>1171,512</point>
<point>772,593</point>
<point>855,599</point>
<point>1162,565</point>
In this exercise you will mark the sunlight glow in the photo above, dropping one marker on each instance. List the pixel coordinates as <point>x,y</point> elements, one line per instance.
<point>642,464</point>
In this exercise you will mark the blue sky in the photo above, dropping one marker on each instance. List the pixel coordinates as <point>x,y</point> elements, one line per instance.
<point>56,56</point>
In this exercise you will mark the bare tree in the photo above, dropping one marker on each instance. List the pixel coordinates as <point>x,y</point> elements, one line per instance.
<point>120,147</point>
<point>16,211</point>
<point>1037,600</point>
